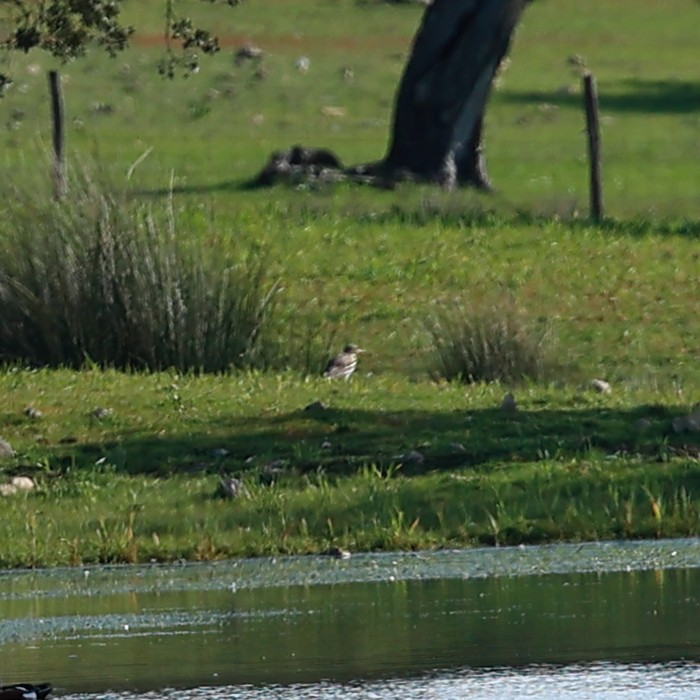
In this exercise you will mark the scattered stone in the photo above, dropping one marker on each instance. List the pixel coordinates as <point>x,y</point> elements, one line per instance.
<point>642,425</point>
<point>692,423</point>
<point>102,108</point>
<point>250,52</point>
<point>577,63</point>
<point>316,406</point>
<point>231,487</point>
<point>32,412</point>
<point>302,64</point>
<point>687,424</point>
<point>333,111</point>
<point>347,74</point>
<point>412,457</point>
<point>23,483</point>
<point>508,404</point>
<point>678,424</point>
<point>16,485</point>
<point>601,386</point>
<point>272,470</point>
<point>336,552</point>
<point>6,449</point>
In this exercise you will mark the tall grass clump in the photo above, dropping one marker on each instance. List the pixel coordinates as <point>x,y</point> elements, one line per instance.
<point>489,343</point>
<point>100,278</point>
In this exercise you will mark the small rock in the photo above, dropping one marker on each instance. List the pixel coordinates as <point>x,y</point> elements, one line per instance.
<point>102,108</point>
<point>6,449</point>
<point>315,406</point>
<point>601,386</point>
<point>302,64</point>
<point>270,472</point>
<point>231,487</point>
<point>642,425</point>
<point>100,413</point>
<point>23,483</point>
<point>413,457</point>
<point>7,490</point>
<point>687,424</point>
<point>508,404</point>
<point>220,452</point>
<point>457,447</point>
<point>326,445</point>
<point>32,412</point>
<point>250,52</point>
<point>333,111</point>
<point>678,424</point>
<point>577,62</point>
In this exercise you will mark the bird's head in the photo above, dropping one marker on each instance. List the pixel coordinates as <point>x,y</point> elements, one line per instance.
<point>352,349</point>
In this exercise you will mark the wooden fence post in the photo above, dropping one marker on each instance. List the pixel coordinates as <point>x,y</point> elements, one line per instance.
<point>593,128</point>
<point>59,175</point>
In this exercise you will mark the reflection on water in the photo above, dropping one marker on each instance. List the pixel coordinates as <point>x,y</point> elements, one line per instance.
<point>317,627</point>
<point>596,681</point>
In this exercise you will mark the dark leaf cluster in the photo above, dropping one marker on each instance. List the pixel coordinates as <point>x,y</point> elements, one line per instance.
<point>65,28</point>
<point>193,37</point>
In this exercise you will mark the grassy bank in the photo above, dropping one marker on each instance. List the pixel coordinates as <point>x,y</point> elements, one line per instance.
<point>397,458</point>
<point>388,464</point>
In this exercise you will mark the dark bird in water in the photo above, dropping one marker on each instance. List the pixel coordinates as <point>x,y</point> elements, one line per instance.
<point>344,364</point>
<point>25,691</point>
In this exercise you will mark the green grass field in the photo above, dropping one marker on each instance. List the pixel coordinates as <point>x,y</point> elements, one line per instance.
<point>375,267</point>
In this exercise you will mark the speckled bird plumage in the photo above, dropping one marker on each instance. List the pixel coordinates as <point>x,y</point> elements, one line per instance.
<point>343,364</point>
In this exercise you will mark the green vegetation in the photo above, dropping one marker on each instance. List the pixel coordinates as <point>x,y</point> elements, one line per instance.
<point>94,279</point>
<point>487,345</point>
<point>397,458</point>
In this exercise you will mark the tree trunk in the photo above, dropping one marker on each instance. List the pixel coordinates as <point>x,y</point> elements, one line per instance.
<point>439,110</point>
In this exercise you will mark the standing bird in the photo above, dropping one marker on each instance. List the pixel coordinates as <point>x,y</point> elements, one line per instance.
<point>344,364</point>
<point>25,691</point>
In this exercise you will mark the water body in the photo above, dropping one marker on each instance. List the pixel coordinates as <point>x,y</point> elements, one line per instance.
<point>615,620</point>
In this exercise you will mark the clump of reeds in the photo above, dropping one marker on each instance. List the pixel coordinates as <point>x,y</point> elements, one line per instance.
<point>489,343</point>
<point>98,277</point>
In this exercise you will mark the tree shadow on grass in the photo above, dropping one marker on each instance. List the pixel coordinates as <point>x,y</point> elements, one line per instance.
<point>482,213</point>
<point>197,189</point>
<point>633,95</point>
<point>339,442</point>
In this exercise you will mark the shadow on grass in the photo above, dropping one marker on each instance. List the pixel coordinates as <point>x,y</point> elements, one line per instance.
<point>480,211</point>
<point>634,95</point>
<point>210,188</point>
<point>342,441</point>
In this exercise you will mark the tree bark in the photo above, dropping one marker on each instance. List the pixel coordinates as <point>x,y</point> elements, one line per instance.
<point>439,108</point>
